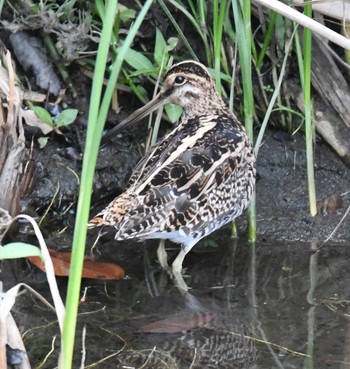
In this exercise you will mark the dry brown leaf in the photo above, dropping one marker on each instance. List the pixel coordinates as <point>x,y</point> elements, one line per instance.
<point>91,269</point>
<point>33,120</point>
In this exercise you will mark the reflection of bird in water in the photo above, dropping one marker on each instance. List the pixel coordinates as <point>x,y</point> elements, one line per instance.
<point>188,338</point>
<point>201,348</point>
<point>210,348</point>
<point>198,178</point>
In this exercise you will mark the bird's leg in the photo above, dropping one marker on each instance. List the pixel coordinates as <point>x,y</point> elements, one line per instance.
<point>177,268</point>
<point>177,263</point>
<point>162,256</point>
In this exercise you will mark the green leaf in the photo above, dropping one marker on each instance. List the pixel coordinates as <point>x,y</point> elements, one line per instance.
<point>126,14</point>
<point>173,111</point>
<point>66,117</point>
<point>160,48</point>
<point>172,42</point>
<point>42,141</point>
<point>43,114</point>
<point>16,250</point>
<point>138,61</point>
<point>280,33</point>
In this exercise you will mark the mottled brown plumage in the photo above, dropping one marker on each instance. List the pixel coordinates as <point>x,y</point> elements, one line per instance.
<point>198,178</point>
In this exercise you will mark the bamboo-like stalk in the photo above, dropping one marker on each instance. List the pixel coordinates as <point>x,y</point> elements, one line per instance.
<point>305,21</point>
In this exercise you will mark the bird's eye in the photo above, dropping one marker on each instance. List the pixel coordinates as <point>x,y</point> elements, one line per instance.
<point>179,80</point>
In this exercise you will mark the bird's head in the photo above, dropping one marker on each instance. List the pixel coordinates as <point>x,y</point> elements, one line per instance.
<point>188,84</point>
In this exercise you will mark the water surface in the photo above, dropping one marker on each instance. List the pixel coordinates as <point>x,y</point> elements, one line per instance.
<point>265,306</point>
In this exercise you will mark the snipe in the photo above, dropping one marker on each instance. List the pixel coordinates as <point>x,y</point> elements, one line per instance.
<point>198,178</point>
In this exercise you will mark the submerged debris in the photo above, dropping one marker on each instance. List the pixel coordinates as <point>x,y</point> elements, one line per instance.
<point>329,204</point>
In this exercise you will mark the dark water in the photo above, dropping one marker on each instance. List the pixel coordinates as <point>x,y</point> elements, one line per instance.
<point>267,306</point>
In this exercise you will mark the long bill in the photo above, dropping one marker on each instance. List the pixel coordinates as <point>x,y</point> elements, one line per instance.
<point>135,117</point>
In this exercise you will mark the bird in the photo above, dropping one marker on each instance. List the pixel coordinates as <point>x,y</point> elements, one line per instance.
<point>195,180</point>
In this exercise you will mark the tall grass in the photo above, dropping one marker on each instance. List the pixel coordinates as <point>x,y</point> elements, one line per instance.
<point>177,4</point>
<point>304,56</point>
<point>97,116</point>
<point>304,61</point>
<point>94,133</point>
<point>309,125</point>
<point>242,15</point>
<point>219,15</point>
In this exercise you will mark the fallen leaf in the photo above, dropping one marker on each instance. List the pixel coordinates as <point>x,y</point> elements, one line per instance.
<point>42,141</point>
<point>179,323</point>
<point>33,120</point>
<point>91,269</point>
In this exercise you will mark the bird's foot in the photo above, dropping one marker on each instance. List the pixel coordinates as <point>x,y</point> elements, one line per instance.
<point>178,272</point>
<point>168,270</point>
<point>179,281</point>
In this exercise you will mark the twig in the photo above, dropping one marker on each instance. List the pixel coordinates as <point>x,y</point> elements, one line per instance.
<point>334,230</point>
<point>305,21</point>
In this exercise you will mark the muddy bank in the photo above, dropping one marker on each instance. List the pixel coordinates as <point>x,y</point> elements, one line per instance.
<point>282,195</point>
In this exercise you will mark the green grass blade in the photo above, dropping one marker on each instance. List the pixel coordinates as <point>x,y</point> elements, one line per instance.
<point>309,125</point>
<point>267,39</point>
<point>178,28</point>
<point>274,95</point>
<point>15,250</point>
<point>97,117</point>
<point>219,12</point>
<point>116,67</point>
<point>90,155</point>
<point>300,58</point>
<point>202,12</point>
<point>242,13</point>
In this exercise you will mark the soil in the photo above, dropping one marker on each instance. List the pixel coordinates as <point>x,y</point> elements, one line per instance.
<point>282,193</point>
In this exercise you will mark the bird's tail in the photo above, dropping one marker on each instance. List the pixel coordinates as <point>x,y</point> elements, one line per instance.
<point>96,222</point>
<point>114,213</point>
